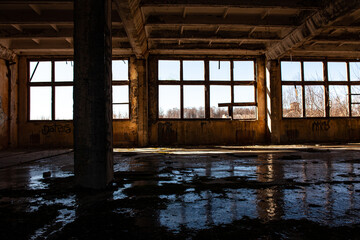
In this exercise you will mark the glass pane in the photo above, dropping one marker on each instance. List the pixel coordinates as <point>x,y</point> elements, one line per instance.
<point>193,70</point>
<point>120,94</point>
<point>244,70</point>
<point>339,106</point>
<point>314,101</point>
<point>120,70</point>
<point>219,94</point>
<point>220,70</point>
<point>355,71</point>
<point>337,71</point>
<point>40,103</point>
<point>194,102</point>
<point>40,72</point>
<point>244,94</point>
<point>120,111</point>
<point>290,71</point>
<point>313,71</point>
<point>64,103</point>
<point>355,100</point>
<point>64,71</point>
<point>169,101</point>
<point>169,70</point>
<point>245,112</point>
<point>292,101</point>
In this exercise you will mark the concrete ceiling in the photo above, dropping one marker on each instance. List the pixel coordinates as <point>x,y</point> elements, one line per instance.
<point>275,28</point>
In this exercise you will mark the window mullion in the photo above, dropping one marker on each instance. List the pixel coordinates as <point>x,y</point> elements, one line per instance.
<point>207,90</point>
<point>303,90</point>
<point>327,100</point>
<point>181,91</point>
<point>52,90</point>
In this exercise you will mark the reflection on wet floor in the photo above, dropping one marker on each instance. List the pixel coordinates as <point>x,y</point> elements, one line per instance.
<point>180,196</point>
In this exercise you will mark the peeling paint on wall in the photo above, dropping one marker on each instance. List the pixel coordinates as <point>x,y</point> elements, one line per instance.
<point>2,114</point>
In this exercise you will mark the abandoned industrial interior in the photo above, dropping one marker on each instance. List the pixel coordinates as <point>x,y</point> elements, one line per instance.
<point>179,119</point>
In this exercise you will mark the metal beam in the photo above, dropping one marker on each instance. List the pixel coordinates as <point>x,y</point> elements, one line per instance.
<point>313,26</point>
<point>131,17</point>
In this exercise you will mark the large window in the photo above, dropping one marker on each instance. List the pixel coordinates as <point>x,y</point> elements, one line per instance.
<point>202,89</point>
<point>51,90</point>
<point>320,89</point>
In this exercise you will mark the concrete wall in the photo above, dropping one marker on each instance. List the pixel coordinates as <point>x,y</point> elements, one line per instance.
<point>308,130</point>
<point>207,132</point>
<point>8,104</point>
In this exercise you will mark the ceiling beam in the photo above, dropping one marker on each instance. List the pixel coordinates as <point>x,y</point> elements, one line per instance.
<point>6,53</point>
<point>47,17</point>
<point>49,33</point>
<point>207,51</point>
<point>312,26</point>
<point>298,4</point>
<point>230,20</point>
<point>131,17</point>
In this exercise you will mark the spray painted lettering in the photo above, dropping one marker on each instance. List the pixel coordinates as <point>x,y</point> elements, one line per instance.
<point>321,126</point>
<point>56,128</point>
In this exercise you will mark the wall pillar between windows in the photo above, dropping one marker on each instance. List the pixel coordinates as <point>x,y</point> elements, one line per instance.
<point>274,96</point>
<point>92,94</point>
<point>142,104</point>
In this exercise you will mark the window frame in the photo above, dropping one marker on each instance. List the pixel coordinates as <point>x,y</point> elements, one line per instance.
<point>53,84</point>
<point>325,83</point>
<point>207,83</point>
<point>122,83</point>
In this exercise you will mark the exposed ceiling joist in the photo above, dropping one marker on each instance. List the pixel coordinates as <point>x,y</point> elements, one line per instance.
<point>36,8</point>
<point>6,53</point>
<point>298,4</point>
<point>313,26</point>
<point>131,17</point>
<point>207,51</point>
<point>205,20</point>
<point>50,33</point>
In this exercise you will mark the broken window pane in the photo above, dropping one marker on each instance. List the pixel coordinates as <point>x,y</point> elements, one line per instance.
<point>338,96</point>
<point>313,71</point>
<point>193,70</point>
<point>120,70</point>
<point>219,94</point>
<point>355,101</point>
<point>337,71</point>
<point>243,94</point>
<point>64,103</point>
<point>64,71</point>
<point>169,70</point>
<point>244,71</point>
<point>40,71</point>
<point>292,101</point>
<point>120,111</point>
<point>40,103</point>
<point>290,71</point>
<point>169,101</point>
<point>314,101</point>
<point>245,112</point>
<point>219,70</point>
<point>194,102</point>
<point>355,71</point>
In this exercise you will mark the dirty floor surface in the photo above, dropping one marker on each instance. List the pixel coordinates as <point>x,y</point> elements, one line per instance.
<point>258,192</point>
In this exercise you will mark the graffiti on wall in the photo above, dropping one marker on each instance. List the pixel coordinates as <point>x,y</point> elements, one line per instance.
<point>55,128</point>
<point>319,126</point>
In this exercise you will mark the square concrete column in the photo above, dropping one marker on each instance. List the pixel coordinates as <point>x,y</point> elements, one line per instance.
<point>92,93</point>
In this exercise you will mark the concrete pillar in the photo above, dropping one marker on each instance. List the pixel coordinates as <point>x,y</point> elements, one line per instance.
<point>92,94</point>
<point>273,109</point>
<point>142,103</point>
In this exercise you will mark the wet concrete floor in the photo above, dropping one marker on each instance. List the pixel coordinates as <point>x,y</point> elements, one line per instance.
<point>258,192</point>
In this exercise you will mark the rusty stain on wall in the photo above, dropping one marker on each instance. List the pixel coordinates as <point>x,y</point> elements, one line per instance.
<point>167,135</point>
<point>2,114</point>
